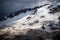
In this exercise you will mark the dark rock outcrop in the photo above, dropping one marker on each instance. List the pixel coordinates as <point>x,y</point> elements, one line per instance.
<point>33,35</point>
<point>12,14</point>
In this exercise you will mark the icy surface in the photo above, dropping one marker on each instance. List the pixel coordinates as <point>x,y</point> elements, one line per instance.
<point>42,17</point>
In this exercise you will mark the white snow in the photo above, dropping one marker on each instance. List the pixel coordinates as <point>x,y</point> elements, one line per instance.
<point>18,21</point>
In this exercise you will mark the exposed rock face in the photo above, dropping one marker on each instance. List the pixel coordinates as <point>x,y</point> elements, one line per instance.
<point>32,35</point>
<point>21,11</point>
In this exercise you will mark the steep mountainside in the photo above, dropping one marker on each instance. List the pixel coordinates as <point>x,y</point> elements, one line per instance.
<point>38,23</point>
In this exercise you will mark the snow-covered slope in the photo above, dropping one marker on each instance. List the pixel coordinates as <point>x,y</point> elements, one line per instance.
<point>41,18</point>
